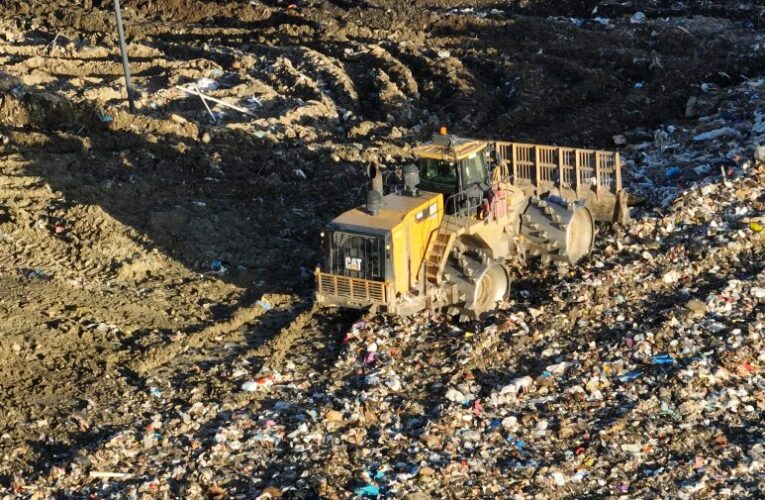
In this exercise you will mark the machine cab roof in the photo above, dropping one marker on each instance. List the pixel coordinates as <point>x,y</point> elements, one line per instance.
<point>449,148</point>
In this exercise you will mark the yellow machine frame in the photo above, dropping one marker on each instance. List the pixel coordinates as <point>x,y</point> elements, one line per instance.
<point>422,235</point>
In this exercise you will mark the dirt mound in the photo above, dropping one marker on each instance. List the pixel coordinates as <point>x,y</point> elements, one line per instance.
<point>48,111</point>
<point>575,8</point>
<point>195,11</point>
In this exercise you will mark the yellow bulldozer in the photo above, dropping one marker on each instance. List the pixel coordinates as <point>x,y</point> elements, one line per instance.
<point>468,211</point>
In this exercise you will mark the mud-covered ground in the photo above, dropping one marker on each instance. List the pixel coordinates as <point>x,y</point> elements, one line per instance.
<point>171,248</point>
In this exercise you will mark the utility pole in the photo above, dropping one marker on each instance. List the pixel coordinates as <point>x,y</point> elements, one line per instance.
<point>123,49</point>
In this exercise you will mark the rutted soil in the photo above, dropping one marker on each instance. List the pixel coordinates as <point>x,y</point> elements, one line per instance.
<point>165,244</point>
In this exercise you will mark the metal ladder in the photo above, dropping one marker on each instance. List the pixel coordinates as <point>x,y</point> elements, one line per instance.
<point>437,254</point>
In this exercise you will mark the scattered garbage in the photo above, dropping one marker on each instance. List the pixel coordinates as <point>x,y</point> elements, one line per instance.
<point>672,172</point>
<point>560,398</point>
<point>637,18</point>
<point>218,267</point>
<point>629,376</point>
<point>250,386</point>
<point>638,374</point>
<point>663,359</point>
<point>207,84</point>
<point>264,304</point>
<point>759,151</point>
<point>367,491</point>
<point>716,134</point>
<point>256,385</point>
<point>36,274</point>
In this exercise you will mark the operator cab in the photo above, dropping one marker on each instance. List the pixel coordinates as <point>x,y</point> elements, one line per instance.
<point>456,168</point>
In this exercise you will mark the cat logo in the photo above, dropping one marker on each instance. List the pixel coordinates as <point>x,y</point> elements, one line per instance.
<point>353,264</point>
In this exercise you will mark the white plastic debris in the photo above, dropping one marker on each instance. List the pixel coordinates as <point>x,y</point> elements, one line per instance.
<point>250,386</point>
<point>716,134</point>
<point>455,396</point>
<point>207,84</point>
<point>672,276</point>
<point>517,385</point>
<point>558,478</point>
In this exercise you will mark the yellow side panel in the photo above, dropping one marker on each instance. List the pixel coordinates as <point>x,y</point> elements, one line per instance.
<point>420,232</point>
<point>400,258</point>
<point>410,241</point>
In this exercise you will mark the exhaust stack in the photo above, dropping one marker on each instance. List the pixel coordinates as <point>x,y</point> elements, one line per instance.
<point>375,193</point>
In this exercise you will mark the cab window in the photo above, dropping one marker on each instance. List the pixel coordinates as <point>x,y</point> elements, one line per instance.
<point>438,172</point>
<point>474,169</point>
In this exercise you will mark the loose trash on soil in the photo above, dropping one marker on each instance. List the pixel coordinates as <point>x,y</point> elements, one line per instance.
<point>160,339</point>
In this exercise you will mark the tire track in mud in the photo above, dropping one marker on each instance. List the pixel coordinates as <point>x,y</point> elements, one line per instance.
<point>375,77</point>
<point>342,69</point>
<point>120,377</point>
<point>279,341</point>
<point>294,340</point>
<point>161,354</point>
<point>332,73</point>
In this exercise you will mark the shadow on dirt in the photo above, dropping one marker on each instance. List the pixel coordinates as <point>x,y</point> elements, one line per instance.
<point>607,80</point>
<point>231,208</point>
<point>594,82</point>
<point>228,204</point>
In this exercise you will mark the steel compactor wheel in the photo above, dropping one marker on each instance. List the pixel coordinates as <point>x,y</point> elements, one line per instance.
<point>557,231</point>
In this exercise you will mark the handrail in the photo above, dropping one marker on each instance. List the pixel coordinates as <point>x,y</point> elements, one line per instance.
<point>462,205</point>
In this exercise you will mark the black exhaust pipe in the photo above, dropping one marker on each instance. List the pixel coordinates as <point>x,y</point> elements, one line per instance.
<point>375,194</point>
